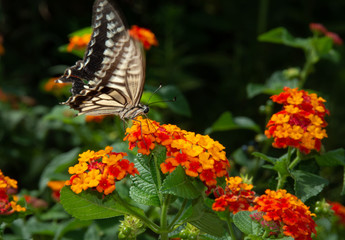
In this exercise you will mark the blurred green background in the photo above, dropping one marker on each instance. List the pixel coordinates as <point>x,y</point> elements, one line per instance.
<point>207,49</point>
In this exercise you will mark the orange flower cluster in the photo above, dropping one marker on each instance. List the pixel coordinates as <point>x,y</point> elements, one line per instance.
<point>56,186</point>
<point>320,29</point>
<point>97,119</point>
<point>339,211</point>
<point>99,170</point>
<point>78,42</point>
<point>237,196</point>
<point>199,155</point>
<point>300,124</point>
<point>144,35</point>
<point>287,211</point>
<point>8,201</point>
<point>52,86</point>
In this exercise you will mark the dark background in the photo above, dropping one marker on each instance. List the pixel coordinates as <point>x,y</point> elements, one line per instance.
<point>208,49</point>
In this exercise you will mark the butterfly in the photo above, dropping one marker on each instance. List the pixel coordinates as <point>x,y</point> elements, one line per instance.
<point>110,77</point>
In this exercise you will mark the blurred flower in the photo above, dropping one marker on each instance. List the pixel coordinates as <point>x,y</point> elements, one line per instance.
<point>144,35</point>
<point>318,28</point>
<point>199,155</point>
<point>8,201</point>
<point>78,42</point>
<point>2,49</point>
<point>282,212</point>
<point>54,87</point>
<point>335,37</point>
<point>339,211</point>
<point>35,202</point>
<point>301,123</point>
<point>56,186</point>
<point>97,119</point>
<point>99,171</point>
<point>237,196</point>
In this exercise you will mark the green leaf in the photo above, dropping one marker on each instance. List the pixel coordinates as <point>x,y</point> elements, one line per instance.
<point>265,157</point>
<point>144,187</point>
<point>149,97</point>
<point>178,184</point>
<point>281,36</point>
<point>71,225</point>
<point>89,205</point>
<point>226,122</point>
<point>332,158</point>
<point>81,32</point>
<point>322,45</point>
<point>65,115</point>
<point>243,221</point>
<point>56,168</point>
<point>307,184</point>
<point>180,106</point>
<point>209,222</point>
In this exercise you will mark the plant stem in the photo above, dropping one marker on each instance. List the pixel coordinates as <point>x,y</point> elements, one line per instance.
<point>178,214</point>
<point>163,221</point>
<point>159,179</point>
<point>306,69</point>
<point>295,161</point>
<point>281,181</point>
<point>143,218</point>
<point>231,229</point>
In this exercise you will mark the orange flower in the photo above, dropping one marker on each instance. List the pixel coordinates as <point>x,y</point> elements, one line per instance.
<point>52,86</point>
<point>300,124</point>
<point>99,170</point>
<point>339,211</point>
<point>56,186</point>
<point>237,196</point>
<point>8,201</point>
<point>144,35</point>
<point>283,212</point>
<point>96,119</point>
<point>199,155</point>
<point>78,42</point>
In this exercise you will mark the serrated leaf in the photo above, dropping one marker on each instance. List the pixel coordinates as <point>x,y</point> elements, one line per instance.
<point>177,183</point>
<point>332,158</point>
<point>307,184</point>
<point>243,221</point>
<point>209,222</point>
<point>144,187</point>
<point>89,205</point>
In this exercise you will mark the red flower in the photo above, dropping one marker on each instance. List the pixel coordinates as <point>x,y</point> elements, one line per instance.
<point>339,211</point>
<point>144,35</point>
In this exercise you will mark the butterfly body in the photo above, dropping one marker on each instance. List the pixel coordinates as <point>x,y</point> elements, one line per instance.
<point>110,78</point>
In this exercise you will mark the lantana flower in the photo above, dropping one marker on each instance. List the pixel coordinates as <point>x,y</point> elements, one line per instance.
<point>199,155</point>
<point>322,30</point>
<point>99,171</point>
<point>56,187</point>
<point>237,196</point>
<point>301,123</point>
<point>284,213</point>
<point>52,86</point>
<point>144,35</point>
<point>78,42</point>
<point>339,211</point>
<point>8,201</point>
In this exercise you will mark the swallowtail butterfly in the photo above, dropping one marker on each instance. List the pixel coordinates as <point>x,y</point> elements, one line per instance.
<point>110,78</point>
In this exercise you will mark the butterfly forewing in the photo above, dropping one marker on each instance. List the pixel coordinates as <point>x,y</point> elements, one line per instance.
<point>113,67</point>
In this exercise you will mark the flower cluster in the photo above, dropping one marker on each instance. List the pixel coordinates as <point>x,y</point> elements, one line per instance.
<point>78,42</point>
<point>339,211</point>
<point>144,35</point>
<point>301,122</point>
<point>284,212</point>
<point>199,155</point>
<point>8,201</point>
<point>99,170</point>
<point>52,86</point>
<point>237,196</point>
<point>56,186</point>
<point>320,29</point>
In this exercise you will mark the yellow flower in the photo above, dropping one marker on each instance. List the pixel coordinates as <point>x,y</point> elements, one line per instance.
<point>78,168</point>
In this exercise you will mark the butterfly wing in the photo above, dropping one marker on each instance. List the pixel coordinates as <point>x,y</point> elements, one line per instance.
<point>113,67</point>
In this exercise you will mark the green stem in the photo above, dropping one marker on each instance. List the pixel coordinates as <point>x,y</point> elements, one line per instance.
<point>262,16</point>
<point>231,229</point>
<point>281,181</point>
<point>143,218</point>
<point>159,178</point>
<point>178,214</point>
<point>306,69</point>
<point>295,161</point>
<point>163,222</point>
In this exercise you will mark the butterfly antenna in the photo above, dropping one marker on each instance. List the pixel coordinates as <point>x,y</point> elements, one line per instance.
<point>171,100</point>
<point>159,87</point>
